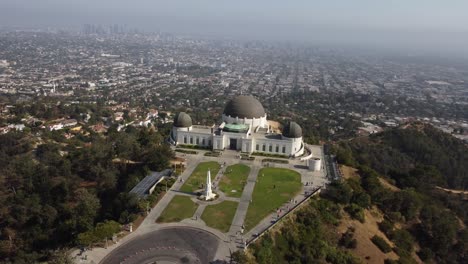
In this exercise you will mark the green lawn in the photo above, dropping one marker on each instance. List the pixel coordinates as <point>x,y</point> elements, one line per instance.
<point>220,215</point>
<point>198,176</point>
<point>179,208</point>
<point>273,189</point>
<point>234,180</point>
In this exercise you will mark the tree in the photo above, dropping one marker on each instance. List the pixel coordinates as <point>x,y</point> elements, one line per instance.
<point>239,257</point>
<point>441,227</point>
<point>87,238</point>
<point>344,155</point>
<point>102,231</point>
<point>157,158</point>
<point>403,240</point>
<point>340,192</point>
<point>106,229</point>
<point>362,199</point>
<point>381,244</point>
<point>86,209</point>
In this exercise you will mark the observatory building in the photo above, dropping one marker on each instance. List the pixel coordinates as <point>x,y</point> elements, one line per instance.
<point>244,127</point>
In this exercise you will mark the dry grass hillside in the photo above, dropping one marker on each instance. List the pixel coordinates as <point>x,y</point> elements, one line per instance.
<point>366,250</point>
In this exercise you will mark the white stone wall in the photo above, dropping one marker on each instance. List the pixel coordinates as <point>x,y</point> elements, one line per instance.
<point>218,142</point>
<point>285,146</point>
<point>297,148</point>
<point>193,138</point>
<point>272,146</point>
<point>175,132</point>
<point>247,145</point>
<point>227,139</point>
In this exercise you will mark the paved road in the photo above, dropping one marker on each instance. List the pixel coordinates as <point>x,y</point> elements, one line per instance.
<point>171,245</point>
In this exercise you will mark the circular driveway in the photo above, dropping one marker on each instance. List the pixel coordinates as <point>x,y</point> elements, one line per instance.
<point>169,245</point>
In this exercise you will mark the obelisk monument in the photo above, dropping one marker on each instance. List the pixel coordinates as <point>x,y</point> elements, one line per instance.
<point>209,195</point>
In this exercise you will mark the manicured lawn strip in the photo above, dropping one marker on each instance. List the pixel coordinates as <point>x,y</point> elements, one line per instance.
<point>220,215</point>
<point>179,208</point>
<point>272,190</point>
<point>234,180</point>
<point>198,176</point>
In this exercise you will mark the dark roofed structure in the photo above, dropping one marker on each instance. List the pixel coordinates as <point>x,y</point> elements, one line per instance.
<point>146,186</point>
<point>244,106</point>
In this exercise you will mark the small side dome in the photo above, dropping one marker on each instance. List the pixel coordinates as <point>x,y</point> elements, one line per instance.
<point>182,119</point>
<point>292,130</point>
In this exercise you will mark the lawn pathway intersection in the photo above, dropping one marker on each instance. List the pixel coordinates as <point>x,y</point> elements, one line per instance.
<point>232,233</point>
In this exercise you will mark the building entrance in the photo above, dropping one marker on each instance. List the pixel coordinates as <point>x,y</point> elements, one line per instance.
<point>233,143</point>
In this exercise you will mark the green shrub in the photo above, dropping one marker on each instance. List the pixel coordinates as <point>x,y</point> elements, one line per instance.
<point>381,244</point>
<point>276,161</point>
<point>104,230</point>
<point>347,239</point>
<point>355,212</point>
<point>335,256</point>
<point>186,151</point>
<point>270,155</point>
<point>193,146</point>
<point>212,154</point>
<point>339,192</point>
<point>425,254</point>
<point>362,199</point>
<point>403,241</point>
<point>386,227</point>
<point>395,217</point>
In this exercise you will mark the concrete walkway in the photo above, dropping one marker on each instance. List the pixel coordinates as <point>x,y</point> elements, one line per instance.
<point>198,213</point>
<point>245,199</point>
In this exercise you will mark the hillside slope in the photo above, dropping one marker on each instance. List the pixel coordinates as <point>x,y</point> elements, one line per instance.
<point>396,177</point>
<point>401,151</point>
<point>418,159</point>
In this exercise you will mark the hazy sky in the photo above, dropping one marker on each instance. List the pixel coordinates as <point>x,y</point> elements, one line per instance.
<point>430,23</point>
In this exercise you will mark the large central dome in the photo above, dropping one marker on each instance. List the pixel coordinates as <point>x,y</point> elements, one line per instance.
<point>244,106</point>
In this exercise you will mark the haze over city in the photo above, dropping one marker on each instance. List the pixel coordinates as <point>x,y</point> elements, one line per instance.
<point>233,132</point>
<point>433,26</point>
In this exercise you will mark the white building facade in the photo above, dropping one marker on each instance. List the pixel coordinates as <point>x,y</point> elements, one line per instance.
<point>244,127</point>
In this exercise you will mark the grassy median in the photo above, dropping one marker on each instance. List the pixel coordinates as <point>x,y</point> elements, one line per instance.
<point>179,208</point>
<point>198,177</point>
<point>234,180</point>
<point>274,187</point>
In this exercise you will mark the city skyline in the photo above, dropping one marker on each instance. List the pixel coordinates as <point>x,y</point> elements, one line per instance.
<point>417,25</point>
